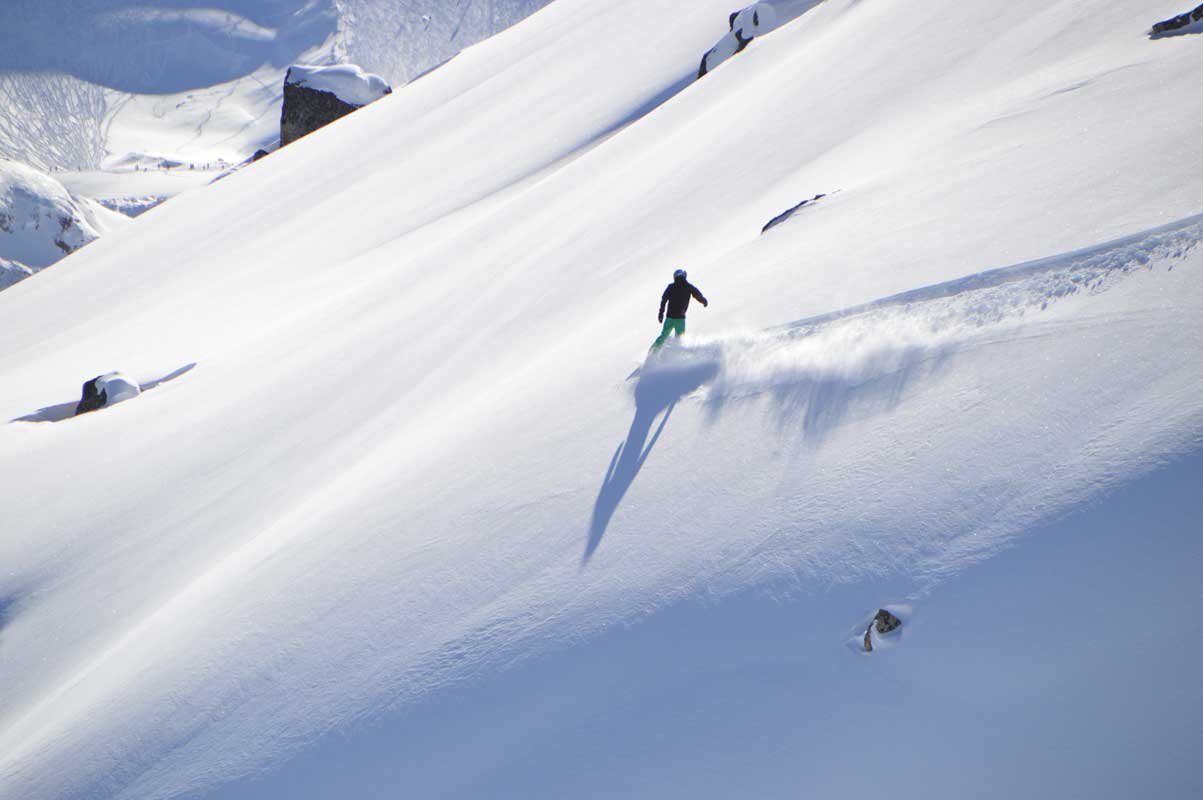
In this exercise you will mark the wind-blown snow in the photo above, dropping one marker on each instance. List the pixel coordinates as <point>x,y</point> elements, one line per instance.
<point>347,82</point>
<point>408,527</point>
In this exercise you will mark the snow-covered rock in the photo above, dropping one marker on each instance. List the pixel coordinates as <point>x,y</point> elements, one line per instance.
<point>348,82</point>
<point>745,24</point>
<point>316,96</point>
<point>106,390</point>
<point>883,622</point>
<point>40,221</point>
<point>748,23</point>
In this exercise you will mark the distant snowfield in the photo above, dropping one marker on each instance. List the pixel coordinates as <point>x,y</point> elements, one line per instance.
<point>102,87</point>
<point>407,526</point>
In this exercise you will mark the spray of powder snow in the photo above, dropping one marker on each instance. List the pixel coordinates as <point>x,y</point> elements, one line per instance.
<point>863,359</point>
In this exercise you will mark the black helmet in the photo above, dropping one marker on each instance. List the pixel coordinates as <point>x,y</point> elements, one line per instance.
<point>679,273</point>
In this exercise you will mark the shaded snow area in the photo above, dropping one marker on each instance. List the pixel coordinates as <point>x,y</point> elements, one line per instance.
<point>347,82</point>
<point>40,221</point>
<point>11,272</point>
<point>410,510</point>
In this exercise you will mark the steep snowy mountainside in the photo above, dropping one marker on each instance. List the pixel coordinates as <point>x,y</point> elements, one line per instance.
<point>403,40</point>
<point>105,87</point>
<point>409,526</point>
<point>174,46</point>
<point>11,272</point>
<point>70,70</point>
<point>162,48</point>
<point>51,120</point>
<point>67,63</point>
<point>40,221</point>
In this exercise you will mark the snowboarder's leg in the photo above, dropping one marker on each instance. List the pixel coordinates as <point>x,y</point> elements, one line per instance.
<point>668,327</point>
<point>671,325</point>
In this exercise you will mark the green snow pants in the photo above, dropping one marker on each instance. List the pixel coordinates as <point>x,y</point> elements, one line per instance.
<point>670,325</point>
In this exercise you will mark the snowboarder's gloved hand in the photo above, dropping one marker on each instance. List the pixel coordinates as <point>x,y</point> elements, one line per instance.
<point>705,304</point>
<point>660,317</point>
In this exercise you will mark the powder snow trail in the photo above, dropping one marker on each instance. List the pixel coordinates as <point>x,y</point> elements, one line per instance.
<point>865,358</point>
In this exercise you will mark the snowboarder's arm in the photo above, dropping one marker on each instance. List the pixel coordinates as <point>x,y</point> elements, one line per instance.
<point>697,295</point>
<point>663,302</point>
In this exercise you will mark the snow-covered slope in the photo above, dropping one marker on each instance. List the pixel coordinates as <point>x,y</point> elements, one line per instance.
<point>408,527</point>
<point>402,41</point>
<point>40,221</point>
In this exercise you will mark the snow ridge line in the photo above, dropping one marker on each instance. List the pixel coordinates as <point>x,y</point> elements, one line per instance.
<point>1170,241</point>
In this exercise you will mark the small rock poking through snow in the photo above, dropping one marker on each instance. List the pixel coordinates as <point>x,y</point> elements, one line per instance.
<point>106,390</point>
<point>316,96</point>
<point>884,622</point>
<point>787,213</point>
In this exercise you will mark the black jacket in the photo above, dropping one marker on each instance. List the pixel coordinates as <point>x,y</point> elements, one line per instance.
<point>677,295</point>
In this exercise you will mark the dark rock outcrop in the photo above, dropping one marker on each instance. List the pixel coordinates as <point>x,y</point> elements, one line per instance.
<point>94,397</point>
<point>316,96</point>
<point>787,213</point>
<point>1180,21</point>
<point>885,622</point>
<point>305,110</point>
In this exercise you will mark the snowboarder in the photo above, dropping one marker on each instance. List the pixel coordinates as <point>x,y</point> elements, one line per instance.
<point>676,297</point>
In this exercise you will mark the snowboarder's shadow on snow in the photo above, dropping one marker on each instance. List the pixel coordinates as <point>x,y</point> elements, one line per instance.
<point>62,411</point>
<point>806,400</point>
<point>656,391</point>
<point>1194,29</point>
<point>7,605</point>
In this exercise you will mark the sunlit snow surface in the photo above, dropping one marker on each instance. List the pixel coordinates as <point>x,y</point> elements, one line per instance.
<point>408,527</point>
